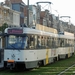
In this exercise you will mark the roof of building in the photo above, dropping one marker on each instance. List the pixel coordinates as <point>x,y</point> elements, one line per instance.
<point>14,1</point>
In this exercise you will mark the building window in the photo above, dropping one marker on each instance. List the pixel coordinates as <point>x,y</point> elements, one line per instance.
<point>21,9</point>
<point>21,20</point>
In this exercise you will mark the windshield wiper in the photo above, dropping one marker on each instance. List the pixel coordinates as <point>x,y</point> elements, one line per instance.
<point>12,46</point>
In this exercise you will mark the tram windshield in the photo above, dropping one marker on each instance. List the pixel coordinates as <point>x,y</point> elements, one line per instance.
<point>16,42</point>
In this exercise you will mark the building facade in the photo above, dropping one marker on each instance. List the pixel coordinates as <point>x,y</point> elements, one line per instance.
<point>17,5</point>
<point>9,16</point>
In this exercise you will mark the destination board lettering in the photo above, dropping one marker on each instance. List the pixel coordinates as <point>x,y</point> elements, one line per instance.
<point>15,31</point>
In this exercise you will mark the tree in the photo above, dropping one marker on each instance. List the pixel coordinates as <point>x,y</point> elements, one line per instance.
<point>2,28</point>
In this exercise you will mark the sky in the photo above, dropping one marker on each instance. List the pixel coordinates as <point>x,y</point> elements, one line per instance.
<point>61,7</point>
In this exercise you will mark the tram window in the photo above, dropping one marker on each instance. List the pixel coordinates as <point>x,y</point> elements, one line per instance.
<point>53,43</point>
<point>72,42</point>
<point>39,42</point>
<point>16,42</point>
<point>45,42</point>
<point>12,39</point>
<point>25,41</point>
<point>56,42</point>
<point>28,42</point>
<point>32,41</point>
<point>31,38</point>
<point>69,42</point>
<point>48,42</point>
<point>20,39</point>
<point>42,42</point>
<point>61,42</point>
<point>35,41</point>
<point>65,42</point>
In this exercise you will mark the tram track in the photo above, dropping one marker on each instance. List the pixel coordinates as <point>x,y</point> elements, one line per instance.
<point>62,72</point>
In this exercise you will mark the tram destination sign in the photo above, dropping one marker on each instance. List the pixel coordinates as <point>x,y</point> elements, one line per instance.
<point>15,31</point>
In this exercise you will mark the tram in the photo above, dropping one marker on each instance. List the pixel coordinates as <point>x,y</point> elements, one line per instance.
<point>66,45</point>
<point>29,48</point>
<point>1,52</point>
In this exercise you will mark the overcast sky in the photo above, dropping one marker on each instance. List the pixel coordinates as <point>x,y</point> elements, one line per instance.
<point>64,7</point>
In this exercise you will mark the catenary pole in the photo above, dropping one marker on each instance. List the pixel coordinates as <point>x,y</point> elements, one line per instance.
<point>28,14</point>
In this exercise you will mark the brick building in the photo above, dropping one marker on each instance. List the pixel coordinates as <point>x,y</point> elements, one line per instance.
<point>17,5</point>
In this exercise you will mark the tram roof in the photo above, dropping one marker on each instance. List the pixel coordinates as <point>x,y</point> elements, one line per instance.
<point>33,31</point>
<point>39,32</point>
<point>66,37</point>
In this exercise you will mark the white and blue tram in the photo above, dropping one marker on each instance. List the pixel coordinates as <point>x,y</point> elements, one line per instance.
<point>66,46</point>
<point>29,48</point>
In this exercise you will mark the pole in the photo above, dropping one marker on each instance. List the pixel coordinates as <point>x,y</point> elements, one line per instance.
<point>58,26</point>
<point>28,14</point>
